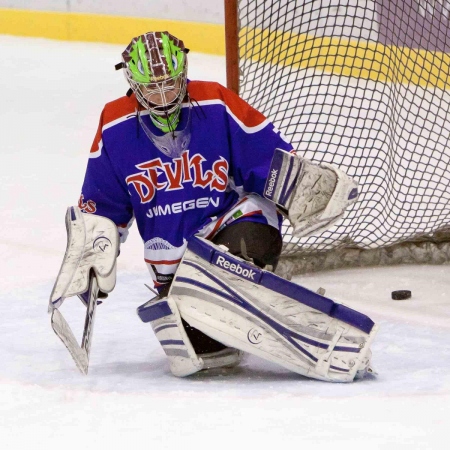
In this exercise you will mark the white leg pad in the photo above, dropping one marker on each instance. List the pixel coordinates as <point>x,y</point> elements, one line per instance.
<point>258,312</point>
<point>165,319</point>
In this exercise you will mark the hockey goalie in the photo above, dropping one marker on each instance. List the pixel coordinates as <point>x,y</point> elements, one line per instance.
<point>208,180</point>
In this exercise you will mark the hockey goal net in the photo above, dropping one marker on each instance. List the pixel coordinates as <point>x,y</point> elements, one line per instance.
<point>364,85</point>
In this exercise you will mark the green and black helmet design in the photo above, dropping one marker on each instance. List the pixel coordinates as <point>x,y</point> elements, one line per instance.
<point>155,66</point>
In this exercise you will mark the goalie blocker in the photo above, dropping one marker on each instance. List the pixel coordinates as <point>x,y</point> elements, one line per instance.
<point>314,196</point>
<point>255,311</point>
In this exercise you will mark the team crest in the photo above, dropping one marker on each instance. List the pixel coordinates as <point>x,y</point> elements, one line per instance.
<point>155,175</point>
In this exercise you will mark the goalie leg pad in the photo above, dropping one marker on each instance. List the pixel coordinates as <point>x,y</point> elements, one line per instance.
<point>163,315</point>
<point>315,196</point>
<point>166,322</point>
<point>256,311</point>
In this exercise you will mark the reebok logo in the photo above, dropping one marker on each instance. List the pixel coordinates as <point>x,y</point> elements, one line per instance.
<point>271,182</point>
<point>236,268</point>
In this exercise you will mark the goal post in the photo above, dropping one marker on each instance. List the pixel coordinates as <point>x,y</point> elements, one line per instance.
<point>364,85</point>
<point>232,44</point>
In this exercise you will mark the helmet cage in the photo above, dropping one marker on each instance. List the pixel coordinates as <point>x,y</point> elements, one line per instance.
<point>156,69</point>
<point>163,99</point>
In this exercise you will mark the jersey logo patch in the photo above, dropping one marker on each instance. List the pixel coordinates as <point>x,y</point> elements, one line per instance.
<point>88,206</point>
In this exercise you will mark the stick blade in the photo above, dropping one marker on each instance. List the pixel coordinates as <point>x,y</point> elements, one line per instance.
<point>63,331</point>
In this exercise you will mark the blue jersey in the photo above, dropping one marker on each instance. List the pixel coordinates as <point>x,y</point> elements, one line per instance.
<point>201,191</point>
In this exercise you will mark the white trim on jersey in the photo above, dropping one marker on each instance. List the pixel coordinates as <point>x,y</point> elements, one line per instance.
<point>248,130</point>
<point>97,152</point>
<point>119,120</point>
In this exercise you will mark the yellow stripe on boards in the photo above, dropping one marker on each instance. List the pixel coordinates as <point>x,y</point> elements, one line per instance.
<point>340,56</point>
<point>197,36</point>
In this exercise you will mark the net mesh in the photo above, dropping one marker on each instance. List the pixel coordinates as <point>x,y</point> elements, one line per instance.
<point>363,85</point>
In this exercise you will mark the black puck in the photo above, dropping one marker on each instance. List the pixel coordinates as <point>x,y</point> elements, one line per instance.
<point>400,295</point>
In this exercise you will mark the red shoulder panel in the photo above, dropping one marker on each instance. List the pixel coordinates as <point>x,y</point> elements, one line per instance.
<point>119,108</point>
<point>111,112</point>
<point>207,90</point>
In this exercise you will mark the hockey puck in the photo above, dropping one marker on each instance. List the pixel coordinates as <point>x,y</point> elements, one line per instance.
<point>400,295</point>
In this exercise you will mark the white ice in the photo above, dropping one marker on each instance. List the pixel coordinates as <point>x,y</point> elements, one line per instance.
<point>51,95</point>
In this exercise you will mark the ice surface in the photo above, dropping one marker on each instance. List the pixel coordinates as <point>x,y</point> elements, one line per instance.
<point>52,95</point>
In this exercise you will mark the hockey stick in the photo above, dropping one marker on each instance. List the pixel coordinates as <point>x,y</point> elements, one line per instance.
<point>63,331</point>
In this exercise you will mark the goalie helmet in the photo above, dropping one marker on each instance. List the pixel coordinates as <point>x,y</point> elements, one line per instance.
<point>155,66</point>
